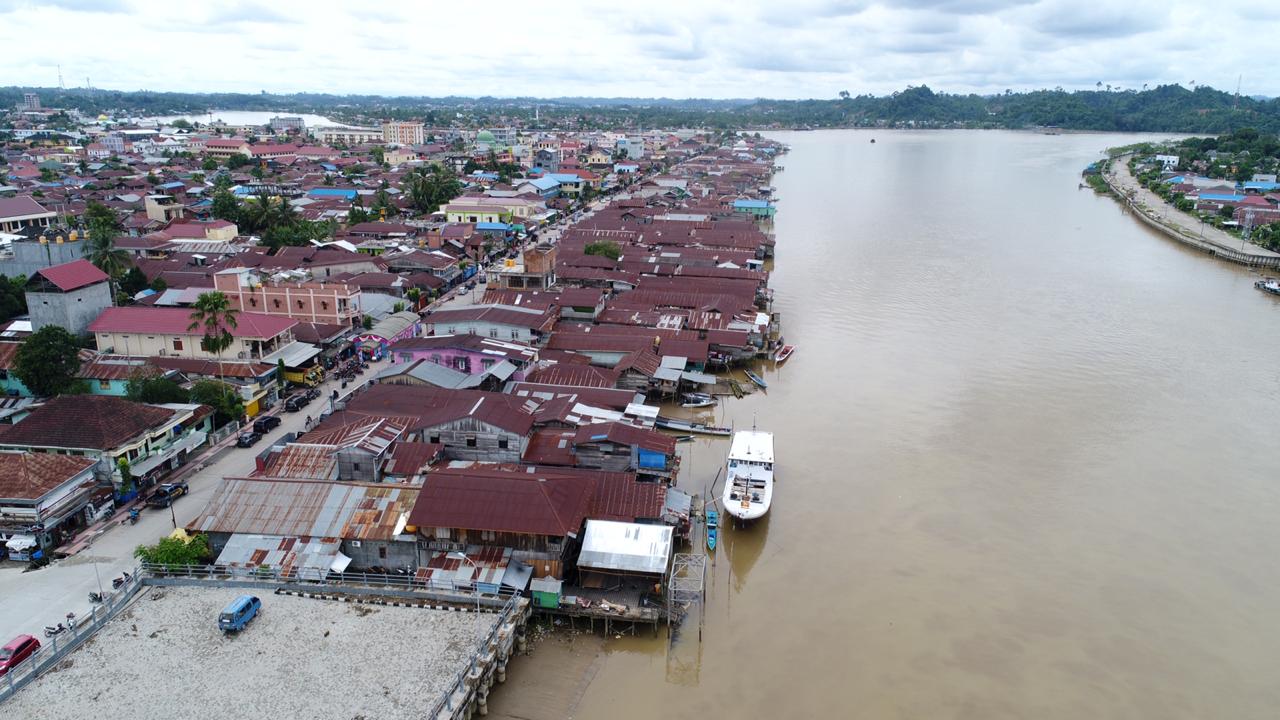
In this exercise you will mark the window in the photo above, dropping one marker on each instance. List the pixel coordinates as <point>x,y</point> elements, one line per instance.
<point>435,439</point>
<point>486,363</point>
<point>503,443</point>
<point>382,553</point>
<point>515,334</point>
<point>177,344</point>
<point>471,442</point>
<point>436,359</point>
<point>493,332</point>
<point>488,535</point>
<point>104,384</point>
<point>355,467</point>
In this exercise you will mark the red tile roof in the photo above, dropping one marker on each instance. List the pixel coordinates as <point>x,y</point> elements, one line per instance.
<point>176,321</point>
<point>28,476</point>
<point>93,422</point>
<point>21,206</point>
<point>73,275</point>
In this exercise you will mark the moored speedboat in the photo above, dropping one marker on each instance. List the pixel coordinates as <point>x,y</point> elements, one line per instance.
<point>1268,285</point>
<point>713,528</point>
<point>748,484</point>
<point>697,400</point>
<point>783,353</point>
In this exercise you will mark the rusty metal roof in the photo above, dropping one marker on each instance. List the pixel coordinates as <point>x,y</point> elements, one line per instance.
<point>307,508</point>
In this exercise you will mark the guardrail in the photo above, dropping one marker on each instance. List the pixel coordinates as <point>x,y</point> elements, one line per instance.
<point>54,649</point>
<point>319,578</point>
<point>445,701</point>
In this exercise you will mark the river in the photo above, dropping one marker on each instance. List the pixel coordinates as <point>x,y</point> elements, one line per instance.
<point>1026,459</point>
<point>245,117</point>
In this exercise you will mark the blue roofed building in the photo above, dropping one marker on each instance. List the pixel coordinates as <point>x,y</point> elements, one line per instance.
<point>754,208</point>
<point>322,193</point>
<point>546,186</point>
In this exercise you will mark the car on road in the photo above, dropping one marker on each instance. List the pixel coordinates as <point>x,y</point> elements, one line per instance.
<point>17,650</point>
<point>264,425</point>
<point>248,439</point>
<point>166,493</point>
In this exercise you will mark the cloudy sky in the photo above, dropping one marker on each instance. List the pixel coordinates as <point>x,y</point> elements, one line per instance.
<point>672,48</point>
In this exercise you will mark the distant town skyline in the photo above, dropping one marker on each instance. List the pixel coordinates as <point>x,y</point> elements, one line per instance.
<point>799,49</point>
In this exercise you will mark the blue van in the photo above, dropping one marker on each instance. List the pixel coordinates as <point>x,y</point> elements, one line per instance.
<point>238,614</point>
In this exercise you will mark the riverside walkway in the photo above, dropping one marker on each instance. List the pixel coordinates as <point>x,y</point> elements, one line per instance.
<point>1183,227</point>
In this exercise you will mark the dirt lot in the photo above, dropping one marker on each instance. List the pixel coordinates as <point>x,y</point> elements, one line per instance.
<point>165,658</point>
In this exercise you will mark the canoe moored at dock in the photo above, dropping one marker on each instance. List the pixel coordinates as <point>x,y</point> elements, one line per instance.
<point>748,484</point>
<point>687,426</point>
<point>713,528</point>
<point>697,400</point>
<point>759,381</point>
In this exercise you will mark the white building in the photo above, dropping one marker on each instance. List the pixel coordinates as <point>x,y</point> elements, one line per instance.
<point>402,133</point>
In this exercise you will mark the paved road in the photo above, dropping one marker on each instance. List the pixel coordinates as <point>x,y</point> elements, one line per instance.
<point>1169,215</point>
<point>31,600</point>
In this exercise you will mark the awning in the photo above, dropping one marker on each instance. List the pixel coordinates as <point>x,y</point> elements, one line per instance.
<point>340,563</point>
<point>192,440</point>
<point>18,543</point>
<point>294,354</point>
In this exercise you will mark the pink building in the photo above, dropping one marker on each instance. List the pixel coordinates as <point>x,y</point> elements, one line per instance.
<point>472,354</point>
<point>328,303</point>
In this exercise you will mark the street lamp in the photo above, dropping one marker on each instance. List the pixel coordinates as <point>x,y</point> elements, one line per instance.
<point>475,588</point>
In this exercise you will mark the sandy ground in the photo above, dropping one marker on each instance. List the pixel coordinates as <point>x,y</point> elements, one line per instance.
<point>165,658</point>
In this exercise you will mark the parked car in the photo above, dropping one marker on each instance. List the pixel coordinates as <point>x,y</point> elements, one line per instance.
<point>17,650</point>
<point>264,425</point>
<point>238,613</point>
<point>167,493</point>
<point>248,439</point>
<point>296,402</point>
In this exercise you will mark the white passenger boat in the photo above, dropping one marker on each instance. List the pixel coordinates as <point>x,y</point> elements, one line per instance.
<point>748,485</point>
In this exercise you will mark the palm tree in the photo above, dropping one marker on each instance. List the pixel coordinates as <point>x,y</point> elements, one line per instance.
<point>103,253</point>
<point>213,315</point>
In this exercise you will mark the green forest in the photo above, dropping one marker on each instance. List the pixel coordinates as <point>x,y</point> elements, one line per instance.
<point>1166,108</point>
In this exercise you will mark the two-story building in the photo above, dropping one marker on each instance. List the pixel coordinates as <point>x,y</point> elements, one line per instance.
<point>150,439</point>
<point>327,303</point>
<point>167,332</point>
<point>500,322</point>
<point>70,296</point>
<point>43,499</point>
<point>471,354</point>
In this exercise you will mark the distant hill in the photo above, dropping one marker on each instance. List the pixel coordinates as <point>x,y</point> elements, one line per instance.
<point>1167,108</point>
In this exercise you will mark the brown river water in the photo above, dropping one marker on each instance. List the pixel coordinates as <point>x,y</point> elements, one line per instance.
<point>1026,458</point>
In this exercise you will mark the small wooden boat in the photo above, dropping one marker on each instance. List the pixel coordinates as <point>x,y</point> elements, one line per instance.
<point>1268,285</point>
<point>686,426</point>
<point>759,381</point>
<point>713,528</point>
<point>783,353</point>
<point>697,400</point>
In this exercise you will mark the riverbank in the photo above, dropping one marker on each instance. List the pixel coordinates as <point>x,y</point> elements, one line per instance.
<point>1153,211</point>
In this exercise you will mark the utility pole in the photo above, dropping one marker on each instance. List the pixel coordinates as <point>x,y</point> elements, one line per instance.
<point>60,85</point>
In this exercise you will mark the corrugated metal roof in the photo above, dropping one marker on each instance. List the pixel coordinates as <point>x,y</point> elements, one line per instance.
<point>306,508</point>
<point>627,547</point>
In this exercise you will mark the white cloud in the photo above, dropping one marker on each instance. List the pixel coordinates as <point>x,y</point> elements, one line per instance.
<point>672,48</point>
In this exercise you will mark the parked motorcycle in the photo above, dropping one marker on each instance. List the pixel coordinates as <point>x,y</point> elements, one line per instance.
<point>117,582</point>
<point>50,631</point>
<point>96,598</point>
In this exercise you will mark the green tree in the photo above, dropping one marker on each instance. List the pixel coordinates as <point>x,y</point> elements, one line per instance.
<point>213,315</point>
<point>220,396</point>
<point>48,361</point>
<point>237,160</point>
<point>209,164</point>
<point>172,552</point>
<point>367,322</point>
<point>603,248</point>
<point>13,297</point>
<point>155,389</point>
<point>225,206</point>
<point>133,282</point>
